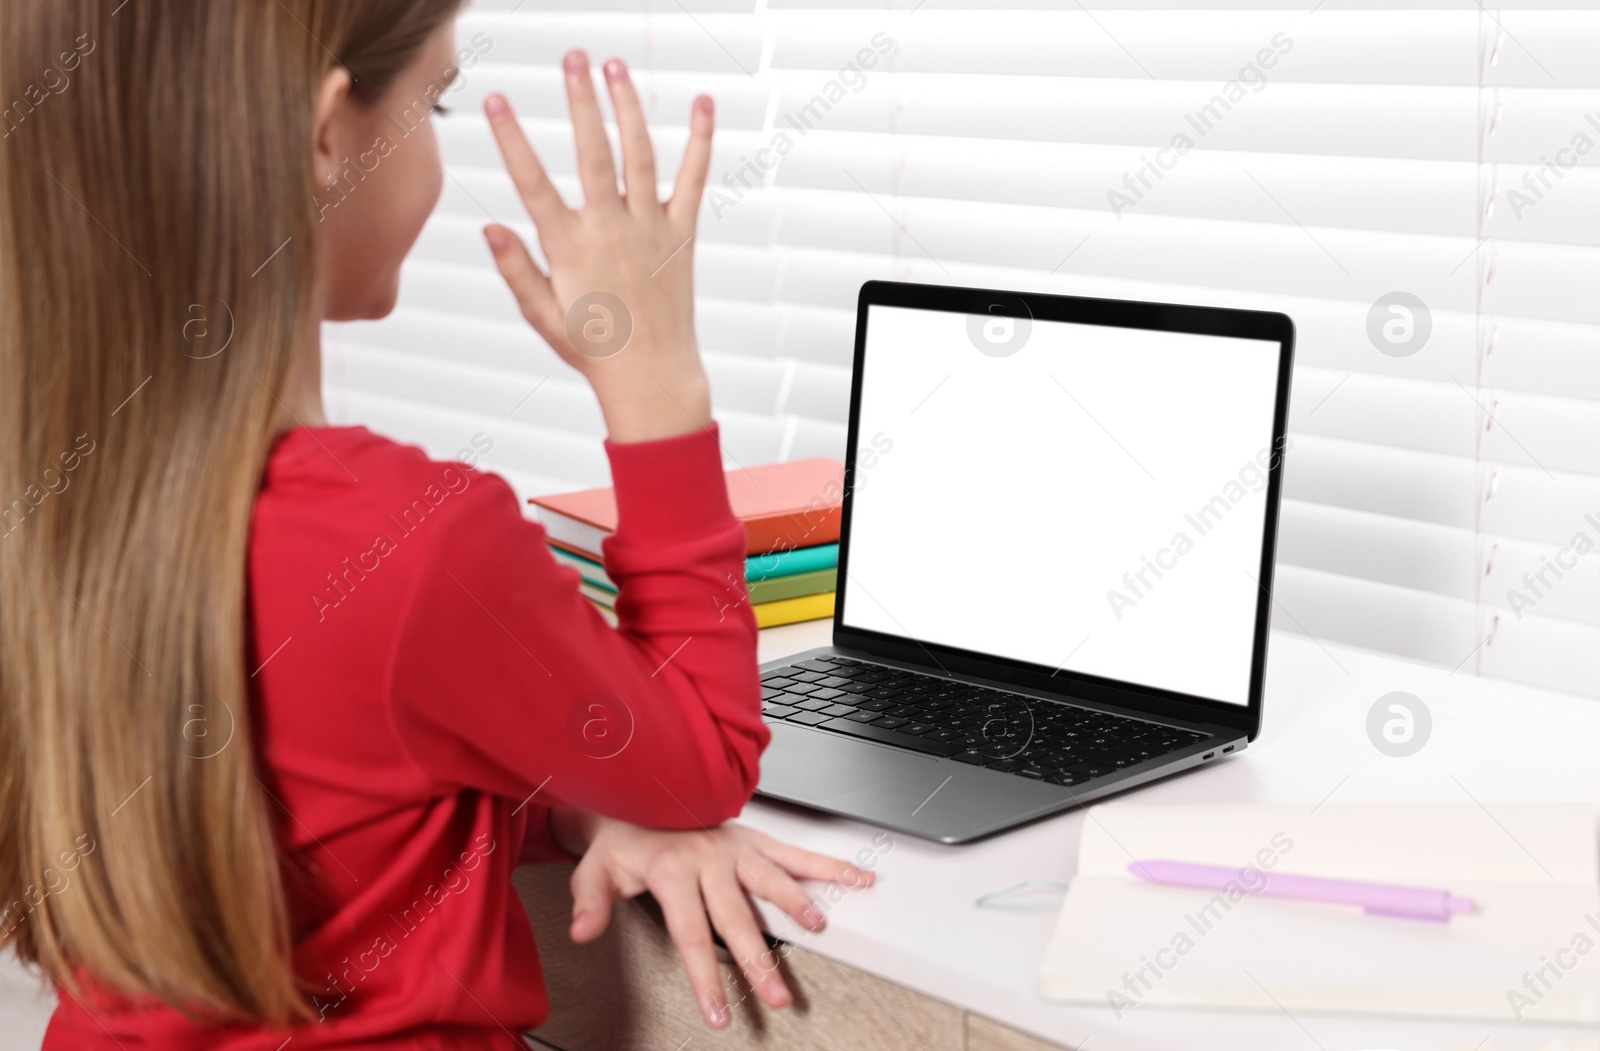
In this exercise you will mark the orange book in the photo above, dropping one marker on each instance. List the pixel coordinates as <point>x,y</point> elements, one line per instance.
<point>782,505</point>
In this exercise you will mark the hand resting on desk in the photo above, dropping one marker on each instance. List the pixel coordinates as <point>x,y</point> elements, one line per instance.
<point>700,880</point>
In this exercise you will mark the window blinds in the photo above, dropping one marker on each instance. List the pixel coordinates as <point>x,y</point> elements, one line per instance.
<point>1417,186</point>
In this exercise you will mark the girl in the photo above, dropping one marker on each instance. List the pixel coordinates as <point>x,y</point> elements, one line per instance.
<point>282,704</point>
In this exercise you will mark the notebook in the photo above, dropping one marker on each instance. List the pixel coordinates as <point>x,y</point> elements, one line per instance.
<point>1531,951</point>
<point>783,506</point>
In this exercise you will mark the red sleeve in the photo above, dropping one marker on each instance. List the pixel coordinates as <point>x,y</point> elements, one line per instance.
<point>506,679</point>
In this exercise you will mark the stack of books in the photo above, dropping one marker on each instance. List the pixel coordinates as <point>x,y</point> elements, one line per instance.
<point>790,513</point>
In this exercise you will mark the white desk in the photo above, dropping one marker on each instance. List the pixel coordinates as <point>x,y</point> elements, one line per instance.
<point>919,927</point>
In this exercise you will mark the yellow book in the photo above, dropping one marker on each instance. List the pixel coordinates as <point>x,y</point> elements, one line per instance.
<point>768,614</point>
<point>793,610</point>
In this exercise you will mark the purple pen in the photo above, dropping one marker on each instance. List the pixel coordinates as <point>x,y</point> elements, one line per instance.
<point>1381,899</point>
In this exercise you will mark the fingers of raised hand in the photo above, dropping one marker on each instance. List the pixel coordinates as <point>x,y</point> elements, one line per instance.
<point>527,172</point>
<point>530,285</point>
<point>684,208</point>
<point>638,154</point>
<point>597,169</point>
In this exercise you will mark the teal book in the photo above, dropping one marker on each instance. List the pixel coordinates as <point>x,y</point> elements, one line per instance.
<point>797,560</point>
<point>756,567</point>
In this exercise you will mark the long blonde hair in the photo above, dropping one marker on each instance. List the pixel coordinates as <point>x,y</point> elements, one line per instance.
<point>157,264</point>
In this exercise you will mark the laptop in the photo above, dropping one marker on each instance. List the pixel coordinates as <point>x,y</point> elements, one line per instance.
<point>1055,558</point>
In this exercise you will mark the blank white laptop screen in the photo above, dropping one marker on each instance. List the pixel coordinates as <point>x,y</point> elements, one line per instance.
<point>1080,497</point>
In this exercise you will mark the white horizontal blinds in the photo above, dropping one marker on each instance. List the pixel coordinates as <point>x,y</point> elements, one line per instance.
<point>1538,483</point>
<point>1362,150</point>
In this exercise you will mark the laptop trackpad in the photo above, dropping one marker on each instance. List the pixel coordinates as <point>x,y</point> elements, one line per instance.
<point>810,766</point>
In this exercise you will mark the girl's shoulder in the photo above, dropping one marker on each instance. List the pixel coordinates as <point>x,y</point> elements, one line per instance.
<point>321,479</point>
<point>353,456</point>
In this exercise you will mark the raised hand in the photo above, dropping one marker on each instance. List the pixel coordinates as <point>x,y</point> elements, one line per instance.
<point>618,302</point>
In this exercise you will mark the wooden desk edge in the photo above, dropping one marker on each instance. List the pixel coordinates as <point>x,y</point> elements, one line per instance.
<point>627,992</point>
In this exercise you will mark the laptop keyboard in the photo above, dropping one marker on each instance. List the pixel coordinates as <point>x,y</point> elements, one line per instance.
<point>1038,740</point>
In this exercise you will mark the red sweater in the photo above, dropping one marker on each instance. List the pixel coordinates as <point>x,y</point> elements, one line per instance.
<point>430,682</point>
